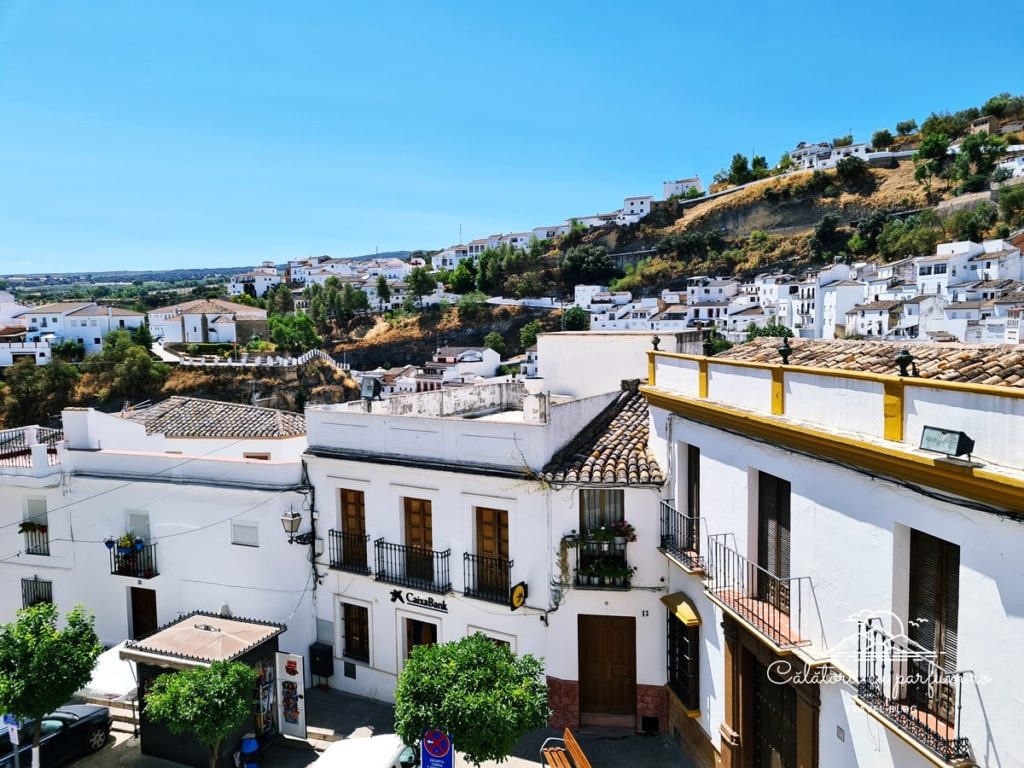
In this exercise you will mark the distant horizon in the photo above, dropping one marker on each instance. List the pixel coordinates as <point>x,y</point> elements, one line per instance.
<point>234,133</point>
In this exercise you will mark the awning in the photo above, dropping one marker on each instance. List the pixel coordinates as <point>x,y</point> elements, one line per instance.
<point>682,608</point>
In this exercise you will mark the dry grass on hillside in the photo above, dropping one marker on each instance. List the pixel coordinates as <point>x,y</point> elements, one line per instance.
<point>896,189</point>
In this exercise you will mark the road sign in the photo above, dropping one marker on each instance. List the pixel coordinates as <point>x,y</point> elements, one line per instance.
<point>436,750</point>
<point>12,732</point>
<point>10,720</point>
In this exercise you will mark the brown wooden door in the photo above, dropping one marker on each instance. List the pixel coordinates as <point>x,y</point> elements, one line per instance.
<point>144,620</point>
<point>774,721</point>
<point>419,537</point>
<point>353,522</point>
<point>492,543</point>
<point>607,664</point>
<point>773,540</point>
<point>418,633</point>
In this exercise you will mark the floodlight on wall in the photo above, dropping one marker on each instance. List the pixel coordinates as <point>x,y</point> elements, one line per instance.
<point>950,442</point>
<point>370,388</point>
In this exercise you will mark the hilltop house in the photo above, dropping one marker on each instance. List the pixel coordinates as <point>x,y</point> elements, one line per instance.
<point>84,322</point>
<point>255,283</point>
<point>680,187</point>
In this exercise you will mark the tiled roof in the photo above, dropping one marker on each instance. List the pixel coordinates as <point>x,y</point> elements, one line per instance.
<point>877,306</point>
<point>211,307</point>
<point>749,311</point>
<point>98,311</point>
<point>1000,365</point>
<point>57,307</point>
<point>611,449</point>
<point>192,417</point>
<point>1016,297</point>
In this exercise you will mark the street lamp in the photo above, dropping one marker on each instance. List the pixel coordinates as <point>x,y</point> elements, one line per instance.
<point>290,521</point>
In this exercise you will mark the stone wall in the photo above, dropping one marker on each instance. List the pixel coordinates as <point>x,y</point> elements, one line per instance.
<point>686,731</point>
<point>564,700</point>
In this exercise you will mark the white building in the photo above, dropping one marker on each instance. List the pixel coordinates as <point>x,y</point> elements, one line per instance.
<point>84,322</point>
<point>207,321</point>
<point>838,597</point>
<point>255,283</point>
<point>875,318</point>
<point>680,187</point>
<point>837,298</point>
<point>809,310</point>
<point>440,503</point>
<point>201,484</point>
<point>634,209</point>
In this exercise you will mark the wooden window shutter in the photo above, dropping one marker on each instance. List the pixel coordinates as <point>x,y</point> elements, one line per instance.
<point>934,596</point>
<point>693,481</point>
<point>782,508</point>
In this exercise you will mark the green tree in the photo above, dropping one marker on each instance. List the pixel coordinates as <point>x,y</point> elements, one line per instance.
<point>828,239</point>
<point>479,692</point>
<point>586,264</point>
<point>906,127</point>
<point>279,300</point>
<point>978,155</point>
<point>383,291</point>
<point>1011,205</point>
<point>205,702</point>
<point>125,369</point>
<point>575,234</point>
<point>142,336</point>
<point>759,167</point>
<point>36,392</point>
<point>913,236</point>
<point>772,328</point>
<point>881,139</point>
<point>854,174</point>
<point>420,283</point>
<point>931,158</point>
<point>972,224</point>
<point>843,141</point>
<point>494,340</point>
<point>69,350</point>
<point>295,333</point>
<point>739,170</point>
<point>576,319</point>
<point>41,666</point>
<point>528,334</point>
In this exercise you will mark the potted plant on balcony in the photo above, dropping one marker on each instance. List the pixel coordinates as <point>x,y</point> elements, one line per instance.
<point>622,532</point>
<point>588,574</point>
<point>125,544</point>
<point>620,573</point>
<point>602,536</point>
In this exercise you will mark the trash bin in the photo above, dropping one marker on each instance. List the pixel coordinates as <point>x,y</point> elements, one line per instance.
<point>251,754</point>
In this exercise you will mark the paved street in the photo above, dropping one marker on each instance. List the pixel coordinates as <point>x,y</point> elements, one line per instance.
<point>347,716</point>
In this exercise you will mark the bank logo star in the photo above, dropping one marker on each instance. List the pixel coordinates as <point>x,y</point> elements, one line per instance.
<point>396,596</point>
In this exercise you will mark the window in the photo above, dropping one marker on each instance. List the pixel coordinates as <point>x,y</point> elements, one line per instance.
<point>356,629</point>
<point>600,507</point>
<point>260,456</point>
<point>245,533</point>
<point>940,269</point>
<point>35,591</point>
<point>96,340</point>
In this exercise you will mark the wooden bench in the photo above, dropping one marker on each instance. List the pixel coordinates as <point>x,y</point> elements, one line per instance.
<point>557,755</point>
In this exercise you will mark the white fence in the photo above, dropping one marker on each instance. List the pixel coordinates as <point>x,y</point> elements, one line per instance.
<point>247,360</point>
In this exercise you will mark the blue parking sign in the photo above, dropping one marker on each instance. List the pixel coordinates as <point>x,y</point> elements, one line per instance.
<point>436,750</point>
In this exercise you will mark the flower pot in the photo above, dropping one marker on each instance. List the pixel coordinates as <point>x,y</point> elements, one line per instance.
<point>109,543</point>
<point>139,544</point>
<point>618,581</point>
<point>604,546</point>
<point>620,540</point>
<point>124,551</point>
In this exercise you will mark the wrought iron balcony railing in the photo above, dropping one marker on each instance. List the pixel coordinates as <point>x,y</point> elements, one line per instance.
<point>487,578</point>
<point>904,683</point>
<point>602,565</point>
<point>773,605</point>
<point>680,536</point>
<point>415,567</point>
<point>347,551</point>
<point>137,563</point>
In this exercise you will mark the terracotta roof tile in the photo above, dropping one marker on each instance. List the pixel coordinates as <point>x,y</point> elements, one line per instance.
<point>1000,365</point>
<point>612,449</point>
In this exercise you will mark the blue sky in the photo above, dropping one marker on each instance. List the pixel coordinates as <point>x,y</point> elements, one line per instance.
<point>184,134</point>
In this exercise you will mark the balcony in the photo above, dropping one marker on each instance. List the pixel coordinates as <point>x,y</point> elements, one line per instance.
<point>414,567</point>
<point>680,537</point>
<point>347,551</point>
<point>487,578</point>
<point>902,682</point>
<point>138,563</point>
<point>771,605</point>
<point>37,540</point>
<point>602,565</point>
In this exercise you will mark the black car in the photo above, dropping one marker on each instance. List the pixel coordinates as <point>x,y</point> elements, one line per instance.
<point>70,731</point>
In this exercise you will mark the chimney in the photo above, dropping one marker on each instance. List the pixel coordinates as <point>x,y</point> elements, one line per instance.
<point>535,402</point>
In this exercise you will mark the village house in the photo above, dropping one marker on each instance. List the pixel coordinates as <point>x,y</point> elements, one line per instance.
<point>837,595</point>
<point>84,322</point>
<point>255,283</point>
<point>680,187</point>
<point>876,318</point>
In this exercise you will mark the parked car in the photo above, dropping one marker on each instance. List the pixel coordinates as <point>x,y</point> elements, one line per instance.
<point>385,751</point>
<point>68,732</point>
